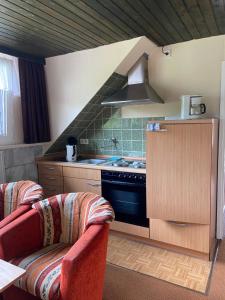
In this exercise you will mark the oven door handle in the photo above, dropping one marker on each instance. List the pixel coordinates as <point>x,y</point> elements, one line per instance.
<point>122,183</point>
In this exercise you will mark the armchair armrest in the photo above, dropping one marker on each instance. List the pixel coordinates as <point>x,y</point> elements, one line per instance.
<point>22,236</point>
<point>14,215</point>
<point>83,267</point>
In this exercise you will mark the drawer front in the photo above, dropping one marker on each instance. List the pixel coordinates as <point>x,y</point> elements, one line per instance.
<point>72,185</point>
<point>190,236</point>
<point>50,169</point>
<point>50,190</point>
<point>82,173</point>
<point>52,180</point>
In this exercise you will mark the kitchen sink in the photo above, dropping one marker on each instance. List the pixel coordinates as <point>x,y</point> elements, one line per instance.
<point>92,161</point>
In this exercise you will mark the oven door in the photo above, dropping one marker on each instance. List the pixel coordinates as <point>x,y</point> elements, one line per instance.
<point>128,201</point>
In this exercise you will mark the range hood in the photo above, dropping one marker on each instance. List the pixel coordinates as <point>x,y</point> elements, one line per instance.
<point>138,90</point>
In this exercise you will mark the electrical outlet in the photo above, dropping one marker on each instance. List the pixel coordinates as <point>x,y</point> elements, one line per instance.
<point>84,141</point>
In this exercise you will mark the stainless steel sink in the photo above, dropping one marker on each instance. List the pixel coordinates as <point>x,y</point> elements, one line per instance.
<point>92,161</point>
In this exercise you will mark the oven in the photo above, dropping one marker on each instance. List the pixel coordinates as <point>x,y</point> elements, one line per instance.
<point>127,194</point>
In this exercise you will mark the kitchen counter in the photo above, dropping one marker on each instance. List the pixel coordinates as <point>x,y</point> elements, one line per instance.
<point>89,166</point>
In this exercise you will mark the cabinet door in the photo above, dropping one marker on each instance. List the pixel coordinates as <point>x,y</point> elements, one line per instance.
<point>179,173</point>
<point>81,185</point>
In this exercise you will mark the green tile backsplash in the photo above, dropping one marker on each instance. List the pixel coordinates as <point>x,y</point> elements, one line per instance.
<point>129,132</point>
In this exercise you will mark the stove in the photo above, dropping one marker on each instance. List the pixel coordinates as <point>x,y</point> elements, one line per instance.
<point>129,164</point>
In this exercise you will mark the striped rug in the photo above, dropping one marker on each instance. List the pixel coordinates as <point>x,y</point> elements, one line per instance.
<point>179,269</point>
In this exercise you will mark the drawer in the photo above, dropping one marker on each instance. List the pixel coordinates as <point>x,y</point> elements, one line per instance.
<point>82,173</point>
<point>50,190</point>
<point>72,185</point>
<point>190,236</point>
<point>50,169</point>
<point>45,179</point>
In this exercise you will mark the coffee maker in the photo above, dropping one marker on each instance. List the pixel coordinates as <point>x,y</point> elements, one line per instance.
<point>71,149</point>
<point>192,107</point>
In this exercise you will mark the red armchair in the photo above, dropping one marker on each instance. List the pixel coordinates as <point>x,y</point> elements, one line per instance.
<point>62,244</point>
<point>16,198</point>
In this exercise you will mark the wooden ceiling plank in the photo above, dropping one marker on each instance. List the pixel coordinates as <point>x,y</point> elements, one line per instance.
<point>168,9</point>
<point>163,19</point>
<point>97,9</point>
<point>219,11</point>
<point>11,43</point>
<point>76,13</point>
<point>40,30</point>
<point>124,19</point>
<point>150,19</point>
<point>54,12</point>
<point>96,20</point>
<point>104,20</point>
<point>197,17</point>
<point>41,39</point>
<point>207,12</point>
<point>35,20</point>
<point>147,30</point>
<point>181,10</point>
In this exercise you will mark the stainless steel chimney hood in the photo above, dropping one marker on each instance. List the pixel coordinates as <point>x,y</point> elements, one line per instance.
<point>138,90</point>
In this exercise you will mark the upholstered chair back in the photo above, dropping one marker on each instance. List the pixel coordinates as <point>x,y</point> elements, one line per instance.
<point>66,217</point>
<point>15,194</point>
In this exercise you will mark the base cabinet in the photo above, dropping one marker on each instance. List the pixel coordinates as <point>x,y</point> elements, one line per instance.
<point>81,185</point>
<point>190,236</point>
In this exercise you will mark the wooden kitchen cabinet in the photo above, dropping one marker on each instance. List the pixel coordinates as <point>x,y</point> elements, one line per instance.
<point>50,178</point>
<point>82,180</point>
<point>181,182</point>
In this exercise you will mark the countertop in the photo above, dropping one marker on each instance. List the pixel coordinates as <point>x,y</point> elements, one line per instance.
<point>89,166</point>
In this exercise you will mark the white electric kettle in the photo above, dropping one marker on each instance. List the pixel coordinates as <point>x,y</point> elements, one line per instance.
<point>71,149</point>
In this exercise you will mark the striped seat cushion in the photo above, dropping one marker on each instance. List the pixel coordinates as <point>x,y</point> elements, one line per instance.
<point>43,267</point>
<point>66,217</point>
<point>14,194</point>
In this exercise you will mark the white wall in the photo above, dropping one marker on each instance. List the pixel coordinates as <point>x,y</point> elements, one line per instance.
<point>193,68</point>
<point>73,79</point>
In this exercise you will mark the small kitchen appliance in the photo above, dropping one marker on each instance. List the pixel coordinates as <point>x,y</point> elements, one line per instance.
<point>71,149</point>
<point>192,107</point>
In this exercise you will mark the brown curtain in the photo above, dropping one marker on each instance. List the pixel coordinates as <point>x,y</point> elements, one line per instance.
<point>34,102</point>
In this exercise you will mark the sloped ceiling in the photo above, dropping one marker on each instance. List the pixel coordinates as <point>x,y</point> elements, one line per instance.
<point>46,28</point>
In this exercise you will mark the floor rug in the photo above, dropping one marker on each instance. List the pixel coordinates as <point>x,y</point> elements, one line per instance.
<point>183,270</point>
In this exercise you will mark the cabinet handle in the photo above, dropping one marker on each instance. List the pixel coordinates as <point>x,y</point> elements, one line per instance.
<point>93,184</point>
<point>51,178</point>
<point>178,224</point>
<point>50,168</point>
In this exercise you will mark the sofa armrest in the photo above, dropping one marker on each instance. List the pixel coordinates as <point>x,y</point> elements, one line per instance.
<point>22,236</point>
<point>14,215</point>
<point>83,268</point>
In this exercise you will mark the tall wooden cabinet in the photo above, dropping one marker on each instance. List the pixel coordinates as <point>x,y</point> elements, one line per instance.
<point>181,183</point>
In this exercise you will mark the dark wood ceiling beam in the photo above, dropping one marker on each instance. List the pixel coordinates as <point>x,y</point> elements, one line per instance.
<point>97,21</point>
<point>141,22</point>
<point>168,9</point>
<point>207,12</point>
<point>48,41</point>
<point>70,11</point>
<point>219,11</point>
<point>197,17</point>
<point>150,19</point>
<point>97,8</point>
<point>53,15</point>
<point>182,12</point>
<point>30,18</point>
<point>40,30</point>
<point>107,18</point>
<point>163,19</point>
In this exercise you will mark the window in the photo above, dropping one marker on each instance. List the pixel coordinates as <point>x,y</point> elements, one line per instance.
<point>9,87</point>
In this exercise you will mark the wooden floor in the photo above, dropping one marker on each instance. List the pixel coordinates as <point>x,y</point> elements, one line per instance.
<point>175,268</point>
<point>124,284</point>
